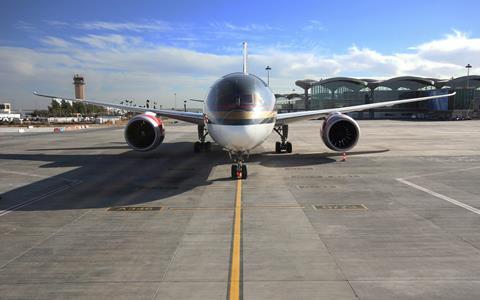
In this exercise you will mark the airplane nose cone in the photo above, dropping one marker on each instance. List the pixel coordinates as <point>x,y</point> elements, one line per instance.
<point>240,137</point>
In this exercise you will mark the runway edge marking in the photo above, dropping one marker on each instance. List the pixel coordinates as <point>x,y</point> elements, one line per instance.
<point>235,280</point>
<point>440,196</point>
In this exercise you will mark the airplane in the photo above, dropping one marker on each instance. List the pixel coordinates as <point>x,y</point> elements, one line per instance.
<point>239,114</point>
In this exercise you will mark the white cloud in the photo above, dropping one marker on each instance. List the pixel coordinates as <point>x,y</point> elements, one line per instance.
<point>25,26</point>
<point>127,26</point>
<point>457,48</point>
<point>56,23</point>
<point>247,27</point>
<point>111,40</point>
<point>314,25</point>
<point>56,42</point>
<point>119,66</point>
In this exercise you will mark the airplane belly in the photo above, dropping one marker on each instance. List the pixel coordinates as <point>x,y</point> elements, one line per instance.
<point>240,137</point>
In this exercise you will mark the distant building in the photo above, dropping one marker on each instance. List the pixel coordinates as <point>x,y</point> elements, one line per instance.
<point>79,83</point>
<point>5,108</point>
<point>6,114</point>
<point>346,91</point>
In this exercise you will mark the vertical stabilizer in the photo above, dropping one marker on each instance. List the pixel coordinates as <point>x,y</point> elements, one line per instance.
<point>245,55</point>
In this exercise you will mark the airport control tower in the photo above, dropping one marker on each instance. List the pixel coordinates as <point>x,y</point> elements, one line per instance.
<point>79,83</point>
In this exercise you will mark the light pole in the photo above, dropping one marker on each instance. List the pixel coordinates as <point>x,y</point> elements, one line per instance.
<point>175,95</point>
<point>468,74</point>
<point>268,74</point>
<point>468,66</point>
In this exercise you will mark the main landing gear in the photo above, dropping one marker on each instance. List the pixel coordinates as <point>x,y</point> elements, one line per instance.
<point>202,145</point>
<point>239,168</point>
<point>282,131</point>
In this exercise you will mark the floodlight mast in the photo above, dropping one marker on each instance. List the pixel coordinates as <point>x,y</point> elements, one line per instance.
<point>245,54</point>
<point>468,74</point>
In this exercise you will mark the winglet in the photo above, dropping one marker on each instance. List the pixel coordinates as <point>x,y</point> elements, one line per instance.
<point>245,55</point>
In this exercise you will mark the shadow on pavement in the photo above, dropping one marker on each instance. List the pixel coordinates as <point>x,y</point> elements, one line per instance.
<point>133,178</point>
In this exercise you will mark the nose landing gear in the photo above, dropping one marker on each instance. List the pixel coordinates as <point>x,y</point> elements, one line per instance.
<point>239,171</point>
<point>282,131</point>
<point>239,168</point>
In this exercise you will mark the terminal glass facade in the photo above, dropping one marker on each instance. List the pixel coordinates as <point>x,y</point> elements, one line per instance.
<point>333,93</point>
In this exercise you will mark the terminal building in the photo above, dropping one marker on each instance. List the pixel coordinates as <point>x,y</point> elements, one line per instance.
<point>347,91</point>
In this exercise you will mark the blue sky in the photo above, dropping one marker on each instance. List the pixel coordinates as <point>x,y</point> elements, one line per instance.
<point>153,49</point>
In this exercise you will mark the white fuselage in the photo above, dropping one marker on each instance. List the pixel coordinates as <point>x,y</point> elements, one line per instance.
<point>240,138</point>
<point>239,112</point>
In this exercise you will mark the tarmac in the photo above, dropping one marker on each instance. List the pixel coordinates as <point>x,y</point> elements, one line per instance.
<point>84,217</point>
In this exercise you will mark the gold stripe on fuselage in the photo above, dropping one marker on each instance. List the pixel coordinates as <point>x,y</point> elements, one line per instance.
<point>245,115</point>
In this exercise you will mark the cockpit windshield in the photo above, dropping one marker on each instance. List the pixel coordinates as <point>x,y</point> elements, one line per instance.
<point>242,92</point>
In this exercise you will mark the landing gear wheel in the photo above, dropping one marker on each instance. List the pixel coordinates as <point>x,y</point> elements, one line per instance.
<point>201,145</point>
<point>289,147</point>
<point>278,147</point>
<point>197,147</point>
<point>208,146</point>
<point>282,131</point>
<point>239,168</point>
<point>244,172</point>
<point>234,171</point>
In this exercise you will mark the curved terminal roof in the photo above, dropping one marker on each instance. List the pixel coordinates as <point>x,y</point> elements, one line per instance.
<point>372,83</point>
<point>409,82</point>
<point>440,83</point>
<point>305,83</point>
<point>348,82</point>
<point>461,82</point>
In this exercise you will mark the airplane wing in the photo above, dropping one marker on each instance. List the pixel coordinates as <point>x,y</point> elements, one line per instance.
<point>190,117</point>
<point>285,118</point>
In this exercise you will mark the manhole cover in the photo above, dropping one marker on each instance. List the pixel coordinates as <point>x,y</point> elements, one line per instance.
<point>341,207</point>
<point>135,208</point>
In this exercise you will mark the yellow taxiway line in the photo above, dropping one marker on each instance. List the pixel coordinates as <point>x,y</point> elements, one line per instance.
<point>235,266</point>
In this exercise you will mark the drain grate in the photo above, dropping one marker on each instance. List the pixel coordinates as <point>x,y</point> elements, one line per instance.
<point>135,208</point>
<point>340,207</point>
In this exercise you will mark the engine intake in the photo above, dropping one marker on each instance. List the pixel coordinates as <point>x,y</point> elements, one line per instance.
<point>144,132</point>
<point>340,132</point>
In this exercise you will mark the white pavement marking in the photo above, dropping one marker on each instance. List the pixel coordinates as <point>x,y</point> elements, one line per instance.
<point>38,198</point>
<point>440,196</point>
<point>455,132</point>
<point>442,172</point>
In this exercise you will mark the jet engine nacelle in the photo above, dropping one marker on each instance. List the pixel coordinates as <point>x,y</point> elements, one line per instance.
<point>144,132</point>
<point>340,132</point>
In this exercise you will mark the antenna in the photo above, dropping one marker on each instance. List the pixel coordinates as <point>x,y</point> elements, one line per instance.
<point>245,55</point>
